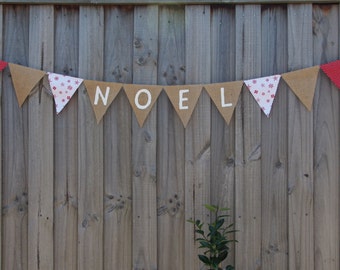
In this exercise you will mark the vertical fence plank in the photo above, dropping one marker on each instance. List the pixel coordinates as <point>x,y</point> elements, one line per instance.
<point>170,142</point>
<point>248,140</point>
<point>326,141</point>
<point>222,135</point>
<point>300,144</point>
<point>90,145</point>
<point>274,144</point>
<point>14,145</point>
<point>197,133</point>
<point>144,141</point>
<point>40,148</point>
<point>117,141</point>
<point>66,144</point>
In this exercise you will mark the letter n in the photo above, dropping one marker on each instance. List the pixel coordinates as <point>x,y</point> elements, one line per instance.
<point>100,94</point>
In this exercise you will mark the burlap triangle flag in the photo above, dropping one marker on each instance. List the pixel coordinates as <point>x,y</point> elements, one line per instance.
<point>24,80</point>
<point>101,95</point>
<point>303,82</point>
<point>184,99</point>
<point>332,70</point>
<point>225,97</point>
<point>142,98</point>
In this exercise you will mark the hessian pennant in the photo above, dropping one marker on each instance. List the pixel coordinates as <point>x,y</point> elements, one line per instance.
<point>264,90</point>
<point>63,87</point>
<point>142,98</point>
<point>24,80</point>
<point>184,99</point>
<point>332,70</point>
<point>225,97</point>
<point>302,82</point>
<point>101,95</point>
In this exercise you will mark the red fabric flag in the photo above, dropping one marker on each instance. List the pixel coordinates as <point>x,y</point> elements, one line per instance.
<point>332,70</point>
<point>3,64</point>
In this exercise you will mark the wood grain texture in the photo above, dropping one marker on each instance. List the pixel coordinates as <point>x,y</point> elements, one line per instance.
<point>275,144</point>
<point>248,141</point>
<point>197,132</point>
<point>144,141</point>
<point>80,195</point>
<point>117,141</point>
<point>14,145</point>
<point>163,2</point>
<point>170,142</point>
<point>300,145</point>
<point>40,147</point>
<point>66,144</point>
<point>90,143</point>
<point>222,135</point>
<point>326,142</point>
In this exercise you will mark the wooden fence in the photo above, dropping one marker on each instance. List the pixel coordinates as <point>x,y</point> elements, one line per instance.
<point>80,195</point>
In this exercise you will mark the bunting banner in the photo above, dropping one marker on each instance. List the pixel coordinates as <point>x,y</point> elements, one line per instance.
<point>332,70</point>
<point>24,80</point>
<point>184,98</point>
<point>303,82</point>
<point>63,87</point>
<point>101,95</point>
<point>3,64</point>
<point>264,91</point>
<point>142,98</point>
<point>225,97</point>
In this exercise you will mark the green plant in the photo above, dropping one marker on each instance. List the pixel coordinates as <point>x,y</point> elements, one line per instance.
<point>214,242</point>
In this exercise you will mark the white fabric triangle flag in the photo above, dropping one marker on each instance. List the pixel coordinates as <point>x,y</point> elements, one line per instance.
<point>63,87</point>
<point>264,91</point>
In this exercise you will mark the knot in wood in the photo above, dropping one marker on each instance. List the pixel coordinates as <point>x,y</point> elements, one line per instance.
<point>137,43</point>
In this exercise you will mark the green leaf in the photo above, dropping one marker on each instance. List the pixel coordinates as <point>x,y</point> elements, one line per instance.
<point>204,259</point>
<point>199,232</point>
<point>205,244</point>
<point>223,256</point>
<point>210,207</point>
<point>219,223</point>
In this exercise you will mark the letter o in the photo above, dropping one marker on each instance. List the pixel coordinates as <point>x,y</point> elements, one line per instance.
<point>147,104</point>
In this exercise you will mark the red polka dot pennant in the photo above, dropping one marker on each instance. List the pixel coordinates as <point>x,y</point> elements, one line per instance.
<point>264,91</point>
<point>63,87</point>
